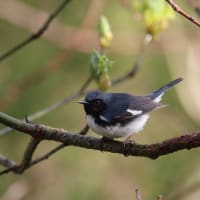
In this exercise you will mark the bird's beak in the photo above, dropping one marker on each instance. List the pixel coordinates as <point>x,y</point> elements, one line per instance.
<point>82,102</point>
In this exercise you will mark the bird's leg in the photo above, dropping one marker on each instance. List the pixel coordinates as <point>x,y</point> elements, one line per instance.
<point>126,142</point>
<point>27,120</point>
<point>103,140</point>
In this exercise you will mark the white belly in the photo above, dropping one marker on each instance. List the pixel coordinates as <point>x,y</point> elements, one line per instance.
<point>119,131</point>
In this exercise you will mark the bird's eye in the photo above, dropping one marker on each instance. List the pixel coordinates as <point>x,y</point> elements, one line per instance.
<point>97,102</point>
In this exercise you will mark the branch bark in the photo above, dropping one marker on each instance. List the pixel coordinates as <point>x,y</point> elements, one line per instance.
<point>28,154</point>
<point>130,74</point>
<point>6,162</point>
<point>153,151</point>
<point>179,10</point>
<point>27,161</point>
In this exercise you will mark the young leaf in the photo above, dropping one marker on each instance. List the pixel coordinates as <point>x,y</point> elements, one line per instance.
<point>156,14</point>
<point>105,32</point>
<point>99,66</point>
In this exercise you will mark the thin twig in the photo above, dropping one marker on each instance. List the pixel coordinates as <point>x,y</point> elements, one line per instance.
<point>27,161</point>
<point>28,154</point>
<point>182,12</point>
<point>85,85</point>
<point>56,149</point>
<point>44,111</point>
<point>38,34</point>
<point>45,156</point>
<point>130,74</point>
<point>6,171</point>
<point>138,195</point>
<point>54,106</point>
<point>13,166</point>
<point>7,162</point>
<point>135,68</point>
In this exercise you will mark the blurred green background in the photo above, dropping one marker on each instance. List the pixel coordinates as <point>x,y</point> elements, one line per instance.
<point>56,65</point>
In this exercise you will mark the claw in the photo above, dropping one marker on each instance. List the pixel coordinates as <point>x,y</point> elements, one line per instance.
<point>126,143</point>
<point>125,149</point>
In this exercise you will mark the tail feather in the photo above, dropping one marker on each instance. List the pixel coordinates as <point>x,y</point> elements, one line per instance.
<point>157,94</point>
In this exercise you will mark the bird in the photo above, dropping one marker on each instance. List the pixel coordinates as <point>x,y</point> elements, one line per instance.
<point>118,115</point>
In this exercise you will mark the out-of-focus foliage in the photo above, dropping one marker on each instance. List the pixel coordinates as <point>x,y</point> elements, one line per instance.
<point>156,14</point>
<point>99,65</point>
<point>44,73</point>
<point>105,32</point>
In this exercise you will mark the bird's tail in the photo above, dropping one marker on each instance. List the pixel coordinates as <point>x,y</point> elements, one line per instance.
<point>157,94</point>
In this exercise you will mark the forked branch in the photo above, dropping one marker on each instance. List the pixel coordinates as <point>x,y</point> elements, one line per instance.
<point>153,151</point>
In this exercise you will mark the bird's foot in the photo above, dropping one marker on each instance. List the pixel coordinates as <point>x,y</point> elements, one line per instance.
<point>126,144</point>
<point>103,140</point>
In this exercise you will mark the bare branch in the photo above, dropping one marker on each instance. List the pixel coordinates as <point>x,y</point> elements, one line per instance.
<point>36,35</point>
<point>160,197</point>
<point>182,12</point>
<point>13,166</point>
<point>27,158</point>
<point>152,151</point>
<point>6,171</point>
<point>54,150</point>
<point>81,91</point>
<point>28,154</point>
<point>6,162</point>
<point>138,195</point>
<point>47,155</point>
<point>146,41</point>
<point>54,106</point>
<point>27,161</point>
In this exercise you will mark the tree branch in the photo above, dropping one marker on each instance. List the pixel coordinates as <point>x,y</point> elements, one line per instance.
<point>54,150</point>
<point>27,161</point>
<point>182,12</point>
<point>13,123</point>
<point>7,162</point>
<point>135,68</point>
<point>152,151</point>
<point>54,106</point>
<point>130,74</point>
<point>36,35</point>
<point>28,154</point>
<point>138,195</point>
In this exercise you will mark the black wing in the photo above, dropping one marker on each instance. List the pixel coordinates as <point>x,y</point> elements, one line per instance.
<point>125,108</point>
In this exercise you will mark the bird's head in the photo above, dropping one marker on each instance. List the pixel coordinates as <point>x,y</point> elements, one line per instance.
<point>95,102</point>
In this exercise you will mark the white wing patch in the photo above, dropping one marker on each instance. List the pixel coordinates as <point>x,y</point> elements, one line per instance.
<point>158,98</point>
<point>103,118</point>
<point>134,112</point>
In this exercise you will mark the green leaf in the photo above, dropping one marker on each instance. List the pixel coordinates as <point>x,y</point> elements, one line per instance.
<point>105,32</point>
<point>156,14</point>
<point>99,66</point>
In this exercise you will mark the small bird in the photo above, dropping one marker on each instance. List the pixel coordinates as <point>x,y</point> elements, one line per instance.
<point>115,115</point>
